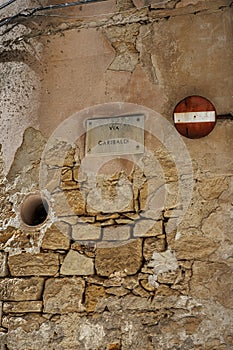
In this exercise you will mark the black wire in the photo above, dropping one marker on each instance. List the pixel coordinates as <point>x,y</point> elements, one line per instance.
<point>30,12</point>
<point>6,4</point>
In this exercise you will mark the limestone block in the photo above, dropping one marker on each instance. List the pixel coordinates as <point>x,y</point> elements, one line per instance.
<point>184,3</point>
<point>118,291</point>
<point>75,174</point>
<point>147,286</point>
<point>152,168</point>
<point>212,280</point>
<point>124,221</point>
<point>85,219</point>
<point>87,248</point>
<point>6,235</point>
<point>182,280</point>
<point>66,174</point>
<point>69,185</point>
<point>139,3</point>
<point>3,264</point>
<point>26,264</point>
<point>109,222</point>
<point>60,154</point>
<point>126,258</point>
<point>21,289</point>
<point>152,197</point>
<point>196,212</point>
<point>211,188</point>
<point>141,292</point>
<point>130,282</point>
<point>22,306</point>
<point>117,233</point>
<point>101,217</point>
<point>35,142</point>
<point>151,245</point>
<point>57,237</point>
<point>167,277</point>
<point>52,179</point>
<point>71,220</point>
<point>12,238</point>
<point>165,290</point>
<point>218,224</point>
<point>69,203</point>
<point>115,196</point>
<point>77,264</point>
<point>92,295</point>
<point>147,228</point>
<point>193,247</point>
<point>84,232</point>
<point>63,295</point>
<point>114,346</point>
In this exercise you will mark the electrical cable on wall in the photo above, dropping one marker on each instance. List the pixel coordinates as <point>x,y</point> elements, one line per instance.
<point>6,4</point>
<point>26,13</point>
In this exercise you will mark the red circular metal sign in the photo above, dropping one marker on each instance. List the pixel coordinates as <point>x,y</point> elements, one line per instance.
<point>194,117</point>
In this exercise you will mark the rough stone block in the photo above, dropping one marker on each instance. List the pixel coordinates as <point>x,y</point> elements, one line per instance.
<point>114,346</point>
<point>69,203</point>
<point>193,247</point>
<point>114,195</point>
<point>22,306</point>
<point>117,233</point>
<point>118,291</point>
<point>63,295</point>
<point>152,195</point>
<point>60,154</point>
<point>92,295</point>
<point>26,264</point>
<point>184,3</point>
<point>77,264</point>
<point>21,289</point>
<point>151,245</point>
<point>211,188</point>
<point>57,237</point>
<point>53,179</point>
<point>212,281</point>
<point>3,264</point>
<point>148,228</point>
<point>84,232</point>
<point>126,258</point>
<point>66,174</point>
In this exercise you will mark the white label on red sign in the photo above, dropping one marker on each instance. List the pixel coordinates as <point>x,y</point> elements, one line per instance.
<point>194,117</point>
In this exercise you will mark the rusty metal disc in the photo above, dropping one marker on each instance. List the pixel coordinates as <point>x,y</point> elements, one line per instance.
<point>194,117</point>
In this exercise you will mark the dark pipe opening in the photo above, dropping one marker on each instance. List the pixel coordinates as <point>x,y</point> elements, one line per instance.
<point>34,210</point>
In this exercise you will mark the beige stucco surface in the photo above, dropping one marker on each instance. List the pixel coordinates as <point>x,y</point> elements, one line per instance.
<point>136,251</point>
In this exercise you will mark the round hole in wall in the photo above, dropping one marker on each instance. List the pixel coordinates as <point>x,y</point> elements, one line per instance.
<point>34,210</point>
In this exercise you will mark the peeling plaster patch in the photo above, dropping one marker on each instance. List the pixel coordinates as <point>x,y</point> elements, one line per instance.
<point>215,314</point>
<point>162,263</point>
<point>92,335</point>
<point>19,103</point>
<point>123,40</point>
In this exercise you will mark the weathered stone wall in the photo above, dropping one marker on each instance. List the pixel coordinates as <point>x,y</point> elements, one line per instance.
<point>136,251</point>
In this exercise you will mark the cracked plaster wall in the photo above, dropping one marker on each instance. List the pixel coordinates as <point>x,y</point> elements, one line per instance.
<point>160,288</point>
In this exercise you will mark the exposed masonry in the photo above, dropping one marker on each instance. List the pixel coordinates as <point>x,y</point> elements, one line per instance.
<point>105,270</point>
<point>88,263</point>
<point>142,16</point>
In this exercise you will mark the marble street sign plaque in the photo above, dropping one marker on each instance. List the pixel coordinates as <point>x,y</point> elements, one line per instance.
<point>115,135</point>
